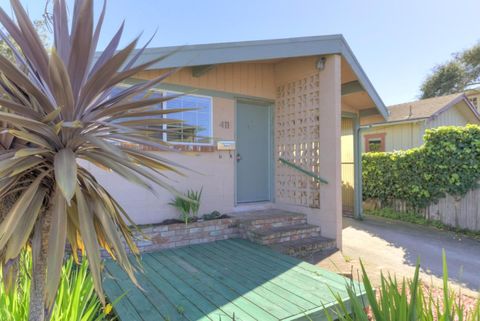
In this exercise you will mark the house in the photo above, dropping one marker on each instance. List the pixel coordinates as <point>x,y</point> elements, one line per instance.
<point>474,96</point>
<point>270,115</point>
<point>404,129</point>
<point>407,122</point>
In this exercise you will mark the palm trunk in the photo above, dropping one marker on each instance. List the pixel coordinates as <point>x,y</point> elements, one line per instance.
<point>39,271</point>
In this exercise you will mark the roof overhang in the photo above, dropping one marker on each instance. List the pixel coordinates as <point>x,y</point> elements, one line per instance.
<point>231,52</point>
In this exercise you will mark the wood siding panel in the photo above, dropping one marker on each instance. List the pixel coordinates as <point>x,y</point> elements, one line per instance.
<point>397,137</point>
<point>249,79</point>
<point>347,159</point>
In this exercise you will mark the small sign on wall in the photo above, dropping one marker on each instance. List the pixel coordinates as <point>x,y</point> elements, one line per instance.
<point>226,145</point>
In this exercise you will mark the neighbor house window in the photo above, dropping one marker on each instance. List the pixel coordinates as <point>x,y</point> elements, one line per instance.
<point>196,127</point>
<point>474,101</point>
<point>375,142</point>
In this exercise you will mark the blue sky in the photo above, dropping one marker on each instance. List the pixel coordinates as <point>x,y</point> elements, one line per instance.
<point>396,42</point>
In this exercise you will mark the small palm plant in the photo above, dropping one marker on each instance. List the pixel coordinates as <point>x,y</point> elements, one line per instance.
<point>58,107</point>
<point>188,205</point>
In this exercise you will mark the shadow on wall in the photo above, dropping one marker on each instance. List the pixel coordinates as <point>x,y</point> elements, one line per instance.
<point>463,254</point>
<point>348,198</point>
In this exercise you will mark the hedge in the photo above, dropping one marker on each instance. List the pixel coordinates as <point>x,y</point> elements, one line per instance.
<point>447,163</point>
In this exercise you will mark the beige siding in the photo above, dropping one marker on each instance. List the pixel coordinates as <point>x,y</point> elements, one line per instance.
<point>347,165</point>
<point>397,137</point>
<point>249,79</point>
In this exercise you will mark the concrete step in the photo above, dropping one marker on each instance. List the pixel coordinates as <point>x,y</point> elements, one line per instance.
<point>283,234</point>
<point>304,248</point>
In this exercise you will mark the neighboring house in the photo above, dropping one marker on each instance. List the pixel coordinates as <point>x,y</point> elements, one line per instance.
<point>474,96</point>
<point>256,102</point>
<point>406,123</point>
<point>404,129</point>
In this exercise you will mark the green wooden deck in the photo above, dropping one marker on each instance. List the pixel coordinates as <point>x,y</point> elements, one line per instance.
<point>216,281</point>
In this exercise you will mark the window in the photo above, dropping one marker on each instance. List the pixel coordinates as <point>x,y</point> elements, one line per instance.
<point>474,101</point>
<point>375,142</point>
<point>374,145</point>
<point>197,123</point>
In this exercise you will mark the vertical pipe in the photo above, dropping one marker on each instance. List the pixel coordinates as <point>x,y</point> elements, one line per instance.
<point>357,161</point>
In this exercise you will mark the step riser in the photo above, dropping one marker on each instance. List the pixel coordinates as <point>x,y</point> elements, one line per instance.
<point>272,223</point>
<point>280,234</point>
<point>266,240</point>
<point>308,252</point>
<point>303,251</point>
<point>288,233</point>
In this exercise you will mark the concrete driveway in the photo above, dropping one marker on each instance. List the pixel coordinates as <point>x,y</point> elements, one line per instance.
<point>393,247</point>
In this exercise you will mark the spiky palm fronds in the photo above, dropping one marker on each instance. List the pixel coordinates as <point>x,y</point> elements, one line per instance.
<point>61,106</point>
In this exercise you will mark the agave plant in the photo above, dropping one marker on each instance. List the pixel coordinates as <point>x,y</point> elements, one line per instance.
<point>57,107</point>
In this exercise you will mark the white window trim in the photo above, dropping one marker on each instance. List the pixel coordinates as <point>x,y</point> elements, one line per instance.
<point>211,143</point>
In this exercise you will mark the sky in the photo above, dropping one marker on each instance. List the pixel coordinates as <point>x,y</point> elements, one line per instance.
<point>396,42</point>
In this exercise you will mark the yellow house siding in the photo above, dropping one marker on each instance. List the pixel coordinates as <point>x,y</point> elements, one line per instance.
<point>459,115</point>
<point>397,137</point>
<point>347,158</point>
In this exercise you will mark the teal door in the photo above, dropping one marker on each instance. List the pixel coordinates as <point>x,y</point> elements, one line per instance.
<point>253,152</point>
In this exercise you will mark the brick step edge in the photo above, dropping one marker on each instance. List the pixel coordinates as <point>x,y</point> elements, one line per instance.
<point>305,247</point>
<point>273,222</point>
<point>284,231</point>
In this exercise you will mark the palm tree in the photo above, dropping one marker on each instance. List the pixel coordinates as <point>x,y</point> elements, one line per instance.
<point>59,106</point>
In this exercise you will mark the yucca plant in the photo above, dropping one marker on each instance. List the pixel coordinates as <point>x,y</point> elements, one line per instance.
<point>58,106</point>
<point>407,300</point>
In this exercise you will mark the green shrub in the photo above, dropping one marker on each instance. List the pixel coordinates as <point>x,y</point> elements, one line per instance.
<point>76,298</point>
<point>188,205</point>
<point>404,301</point>
<point>448,162</point>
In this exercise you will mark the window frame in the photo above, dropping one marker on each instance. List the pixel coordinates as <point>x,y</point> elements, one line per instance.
<point>166,93</point>
<point>377,136</point>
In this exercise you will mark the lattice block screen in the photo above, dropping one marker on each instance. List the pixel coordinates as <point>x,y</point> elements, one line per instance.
<point>297,136</point>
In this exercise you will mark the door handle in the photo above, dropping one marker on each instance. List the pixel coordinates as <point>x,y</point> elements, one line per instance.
<point>239,158</point>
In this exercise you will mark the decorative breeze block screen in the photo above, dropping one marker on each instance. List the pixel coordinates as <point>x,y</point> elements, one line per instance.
<point>297,137</point>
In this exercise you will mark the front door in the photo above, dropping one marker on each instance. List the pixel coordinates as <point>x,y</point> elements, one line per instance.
<point>253,152</point>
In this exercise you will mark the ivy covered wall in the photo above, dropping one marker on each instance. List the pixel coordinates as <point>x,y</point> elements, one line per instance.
<point>447,163</point>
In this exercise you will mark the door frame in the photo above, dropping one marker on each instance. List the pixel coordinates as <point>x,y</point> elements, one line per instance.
<point>271,143</point>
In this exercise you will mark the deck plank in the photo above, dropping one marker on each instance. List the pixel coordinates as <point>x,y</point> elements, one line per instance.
<point>267,256</point>
<point>312,269</point>
<point>246,285</point>
<point>245,271</point>
<point>224,304</point>
<point>308,289</point>
<point>124,307</point>
<point>247,301</point>
<point>142,305</point>
<point>211,282</point>
<point>159,270</point>
<point>317,291</point>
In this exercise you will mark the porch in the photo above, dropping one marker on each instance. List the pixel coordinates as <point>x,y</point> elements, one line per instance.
<point>226,280</point>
